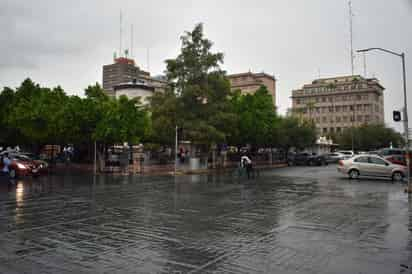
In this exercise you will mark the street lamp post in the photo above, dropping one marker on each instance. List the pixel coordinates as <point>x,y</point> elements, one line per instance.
<point>405,109</point>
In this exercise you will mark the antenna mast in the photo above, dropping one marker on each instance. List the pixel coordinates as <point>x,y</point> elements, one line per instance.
<point>120,41</point>
<point>148,59</point>
<point>352,56</point>
<point>131,41</point>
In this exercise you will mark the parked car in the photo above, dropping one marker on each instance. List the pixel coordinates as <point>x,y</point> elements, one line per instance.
<point>306,159</point>
<point>396,159</point>
<point>20,166</point>
<point>391,151</point>
<point>42,166</point>
<point>334,157</point>
<point>347,153</point>
<point>394,155</point>
<point>371,165</point>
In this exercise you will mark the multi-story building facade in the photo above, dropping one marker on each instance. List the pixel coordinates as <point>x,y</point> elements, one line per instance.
<point>335,104</point>
<point>123,71</point>
<point>249,82</point>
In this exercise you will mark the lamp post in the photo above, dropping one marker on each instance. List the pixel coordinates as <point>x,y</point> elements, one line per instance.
<point>405,109</point>
<point>176,144</point>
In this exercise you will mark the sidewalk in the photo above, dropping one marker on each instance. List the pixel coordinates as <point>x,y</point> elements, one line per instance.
<point>169,169</point>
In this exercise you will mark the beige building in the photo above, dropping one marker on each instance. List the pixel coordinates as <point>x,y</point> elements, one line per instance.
<point>124,70</point>
<point>249,82</point>
<point>335,104</point>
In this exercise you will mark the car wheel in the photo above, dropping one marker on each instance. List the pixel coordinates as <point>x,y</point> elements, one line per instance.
<point>353,174</point>
<point>397,176</point>
<point>12,174</point>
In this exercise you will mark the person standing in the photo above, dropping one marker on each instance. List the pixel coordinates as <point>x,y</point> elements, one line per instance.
<point>6,164</point>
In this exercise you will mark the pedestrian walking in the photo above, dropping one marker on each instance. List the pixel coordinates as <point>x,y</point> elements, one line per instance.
<point>246,163</point>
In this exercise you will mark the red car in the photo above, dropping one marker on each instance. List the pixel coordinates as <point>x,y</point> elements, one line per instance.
<point>396,159</point>
<point>21,166</point>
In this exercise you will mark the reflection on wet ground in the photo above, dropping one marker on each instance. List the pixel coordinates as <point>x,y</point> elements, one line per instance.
<point>292,220</point>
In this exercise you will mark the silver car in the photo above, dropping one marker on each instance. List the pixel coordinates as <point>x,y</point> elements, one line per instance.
<point>371,165</point>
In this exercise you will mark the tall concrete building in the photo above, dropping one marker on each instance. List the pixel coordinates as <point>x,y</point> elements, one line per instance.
<point>337,103</point>
<point>249,82</point>
<point>123,71</point>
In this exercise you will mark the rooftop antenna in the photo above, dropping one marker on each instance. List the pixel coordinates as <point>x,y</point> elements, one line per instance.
<point>120,38</point>
<point>148,59</point>
<point>352,56</point>
<point>131,41</point>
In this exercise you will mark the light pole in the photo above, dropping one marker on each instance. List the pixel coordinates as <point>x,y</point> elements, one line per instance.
<point>176,144</point>
<point>405,109</point>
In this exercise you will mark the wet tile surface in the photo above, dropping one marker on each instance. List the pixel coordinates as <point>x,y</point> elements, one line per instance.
<point>291,220</point>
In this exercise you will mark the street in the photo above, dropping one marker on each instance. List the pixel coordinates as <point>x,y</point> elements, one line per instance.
<point>288,220</point>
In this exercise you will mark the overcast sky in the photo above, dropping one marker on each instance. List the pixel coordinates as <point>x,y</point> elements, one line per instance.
<point>66,43</point>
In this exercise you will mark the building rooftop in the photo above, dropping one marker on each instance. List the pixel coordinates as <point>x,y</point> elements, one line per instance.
<point>259,74</point>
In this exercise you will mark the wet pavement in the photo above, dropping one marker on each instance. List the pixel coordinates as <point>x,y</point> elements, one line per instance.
<point>289,220</point>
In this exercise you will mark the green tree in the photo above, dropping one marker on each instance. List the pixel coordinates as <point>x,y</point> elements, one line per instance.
<point>370,137</point>
<point>255,119</point>
<point>202,89</point>
<point>295,132</point>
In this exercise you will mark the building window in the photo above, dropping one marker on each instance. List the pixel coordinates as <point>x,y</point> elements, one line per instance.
<point>367,118</point>
<point>330,109</point>
<point>298,101</point>
<point>323,99</point>
<point>324,119</point>
<point>359,107</point>
<point>352,119</point>
<point>332,130</point>
<point>359,118</point>
<point>351,108</point>
<point>338,119</point>
<point>330,99</point>
<point>345,119</point>
<point>345,108</point>
<point>338,129</point>
<point>337,108</point>
<point>317,119</point>
<point>358,97</point>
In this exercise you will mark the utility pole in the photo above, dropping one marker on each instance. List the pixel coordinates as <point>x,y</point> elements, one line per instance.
<point>176,144</point>
<point>352,56</point>
<point>405,112</point>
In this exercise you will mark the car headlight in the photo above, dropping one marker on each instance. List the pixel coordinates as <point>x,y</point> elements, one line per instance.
<point>21,166</point>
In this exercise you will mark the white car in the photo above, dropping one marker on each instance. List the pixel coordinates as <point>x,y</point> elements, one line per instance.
<point>347,153</point>
<point>371,165</point>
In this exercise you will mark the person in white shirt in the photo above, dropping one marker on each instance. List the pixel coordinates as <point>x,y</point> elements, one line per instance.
<point>245,162</point>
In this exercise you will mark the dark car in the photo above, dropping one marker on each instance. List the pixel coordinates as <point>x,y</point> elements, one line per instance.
<point>306,159</point>
<point>385,152</point>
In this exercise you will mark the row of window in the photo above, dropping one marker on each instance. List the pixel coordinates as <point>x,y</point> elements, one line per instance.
<point>332,130</point>
<point>332,87</point>
<point>336,98</point>
<point>344,119</point>
<point>345,108</point>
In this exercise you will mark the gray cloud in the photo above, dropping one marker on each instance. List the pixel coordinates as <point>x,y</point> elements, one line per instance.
<point>67,42</point>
